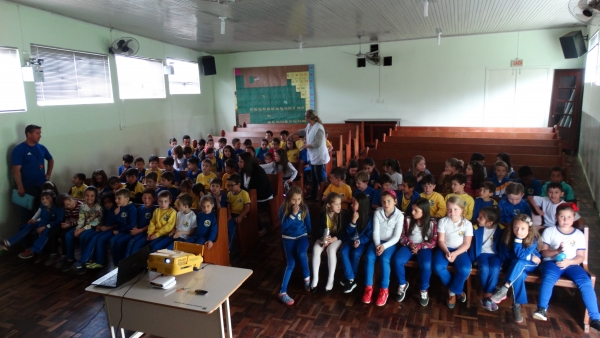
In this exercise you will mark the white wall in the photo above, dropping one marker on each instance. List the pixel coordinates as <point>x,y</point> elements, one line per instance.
<point>589,145</point>
<point>427,84</point>
<point>83,138</point>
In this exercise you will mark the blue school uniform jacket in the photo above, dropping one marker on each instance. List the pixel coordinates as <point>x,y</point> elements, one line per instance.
<point>144,215</point>
<point>365,235</point>
<point>207,226</point>
<point>368,191</point>
<point>477,241</point>
<point>508,211</point>
<point>376,197</point>
<point>294,226</point>
<point>260,154</point>
<point>175,172</point>
<point>51,218</point>
<point>535,189</point>
<point>373,178</point>
<point>127,218</point>
<point>192,176</point>
<point>480,204</point>
<point>110,218</point>
<point>518,251</point>
<point>173,190</point>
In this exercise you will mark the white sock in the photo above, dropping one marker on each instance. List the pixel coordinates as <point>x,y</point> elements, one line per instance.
<point>451,293</point>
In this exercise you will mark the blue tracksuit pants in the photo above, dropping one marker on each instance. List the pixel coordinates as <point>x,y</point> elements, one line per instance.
<point>462,263</point>
<point>403,255</point>
<point>351,258</point>
<point>488,267</point>
<point>551,273</point>
<point>384,262</point>
<point>295,250</point>
<point>516,275</point>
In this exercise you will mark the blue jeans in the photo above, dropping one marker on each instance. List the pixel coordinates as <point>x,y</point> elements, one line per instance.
<point>488,270</point>
<point>351,258</point>
<point>295,250</point>
<point>70,238</point>
<point>551,273</point>
<point>403,255</point>
<point>462,263</point>
<point>384,262</point>
<point>101,244</point>
<point>516,275</point>
<point>135,243</point>
<point>118,246</point>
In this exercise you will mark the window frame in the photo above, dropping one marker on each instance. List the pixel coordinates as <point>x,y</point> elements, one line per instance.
<point>18,74</point>
<point>175,84</point>
<point>123,86</point>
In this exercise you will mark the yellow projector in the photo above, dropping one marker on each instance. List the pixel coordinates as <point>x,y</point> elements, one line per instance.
<point>184,258</point>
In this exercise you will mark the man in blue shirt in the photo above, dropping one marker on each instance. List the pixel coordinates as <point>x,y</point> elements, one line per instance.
<point>29,167</point>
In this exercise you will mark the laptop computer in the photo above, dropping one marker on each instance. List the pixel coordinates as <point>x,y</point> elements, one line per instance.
<point>128,268</point>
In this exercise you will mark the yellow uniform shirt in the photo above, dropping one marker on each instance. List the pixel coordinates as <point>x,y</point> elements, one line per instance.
<point>224,178</point>
<point>213,166</point>
<point>78,192</point>
<point>437,205</point>
<point>205,179</point>
<point>470,204</point>
<point>238,201</point>
<point>162,222</point>
<point>283,144</point>
<point>293,155</point>
<point>327,143</point>
<point>299,144</point>
<point>344,191</point>
<point>158,173</point>
<point>195,200</point>
<point>405,203</point>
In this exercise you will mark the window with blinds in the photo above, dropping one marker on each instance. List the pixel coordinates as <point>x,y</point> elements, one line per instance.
<point>186,77</point>
<point>72,77</point>
<point>12,92</point>
<point>140,78</point>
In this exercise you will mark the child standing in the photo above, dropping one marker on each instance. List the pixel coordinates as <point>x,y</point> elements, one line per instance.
<point>437,205</point>
<point>144,215</point>
<point>500,180</point>
<point>339,187</point>
<point>238,205</point>
<point>451,168</point>
<point>369,166</point>
<point>557,175</point>
<point>392,168</point>
<point>331,231</point>
<point>418,169</point>
<point>418,238</point>
<point>206,175</point>
<point>206,224</point>
<point>387,229</point>
<point>78,186</point>
<point>485,251</point>
<point>50,217</point>
<point>519,250</point>
<point>409,195</point>
<point>295,227</point>
<point>458,188</point>
<point>486,192</point>
<point>563,251</point>
<point>127,220</point>
<point>513,203</point>
<point>454,239</point>
<point>162,222</point>
<point>475,178</point>
<point>358,237</point>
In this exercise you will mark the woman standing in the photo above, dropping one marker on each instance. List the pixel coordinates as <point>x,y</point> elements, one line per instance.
<point>254,177</point>
<point>316,147</point>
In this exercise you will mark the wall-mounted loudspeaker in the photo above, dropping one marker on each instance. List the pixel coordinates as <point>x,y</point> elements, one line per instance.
<point>208,65</point>
<point>361,62</point>
<point>387,60</point>
<point>573,45</point>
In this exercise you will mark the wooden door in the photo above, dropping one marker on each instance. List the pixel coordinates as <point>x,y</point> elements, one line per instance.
<point>565,106</point>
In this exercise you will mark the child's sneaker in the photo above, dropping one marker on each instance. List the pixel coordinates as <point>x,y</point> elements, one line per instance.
<point>27,254</point>
<point>462,297</point>
<point>382,297</point>
<point>5,245</point>
<point>540,314</point>
<point>517,313</point>
<point>344,282</point>
<point>595,324</point>
<point>451,301</point>
<point>500,295</point>
<point>52,259</point>
<point>307,284</point>
<point>367,295</point>
<point>94,266</point>
<point>78,268</point>
<point>424,299</point>
<point>489,305</point>
<point>66,266</point>
<point>349,286</point>
<point>401,292</point>
<point>39,258</point>
<point>287,300</point>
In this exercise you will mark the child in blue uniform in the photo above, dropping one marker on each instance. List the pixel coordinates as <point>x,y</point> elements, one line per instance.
<point>369,166</point>
<point>207,226</point>
<point>127,220</point>
<point>513,203</point>
<point>295,227</point>
<point>519,250</point>
<point>144,215</point>
<point>486,192</point>
<point>484,251</point>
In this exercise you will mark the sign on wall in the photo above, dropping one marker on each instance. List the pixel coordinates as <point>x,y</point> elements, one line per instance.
<point>279,94</point>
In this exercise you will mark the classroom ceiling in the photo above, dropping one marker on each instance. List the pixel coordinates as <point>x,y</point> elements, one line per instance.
<point>253,25</point>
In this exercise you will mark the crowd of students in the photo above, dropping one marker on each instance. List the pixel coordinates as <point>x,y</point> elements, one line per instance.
<point>465,218</point>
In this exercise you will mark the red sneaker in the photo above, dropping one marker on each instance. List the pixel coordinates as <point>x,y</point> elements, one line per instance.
<point>382,297</point>
<point>368,295</point>
<point>26,254</point>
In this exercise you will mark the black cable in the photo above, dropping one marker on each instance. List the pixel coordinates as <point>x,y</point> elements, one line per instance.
<point>123,297</point>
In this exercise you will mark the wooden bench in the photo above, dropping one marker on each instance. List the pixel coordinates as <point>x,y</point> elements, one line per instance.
<point>219,253</point>
<point>549,130</point>
<point>247,231</point>
<point>487,135</point>
<point>480,148</point>
<point>277,200</point>
<point>474,141</point>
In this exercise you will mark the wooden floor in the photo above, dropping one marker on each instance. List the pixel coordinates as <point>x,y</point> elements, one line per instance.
<point>40,302</point>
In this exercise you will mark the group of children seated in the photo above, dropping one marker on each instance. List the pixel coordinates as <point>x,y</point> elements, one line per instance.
<point>458,219</point>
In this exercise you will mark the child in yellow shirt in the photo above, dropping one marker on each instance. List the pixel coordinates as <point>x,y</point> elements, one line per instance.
<point>293,154</point>
<point>339,186</point>
<point>206,174</point>
<point>238,205</point>
<point>437,204</point>
<point>162,222</point>
<point>459,182</point>
<point>78,187</point>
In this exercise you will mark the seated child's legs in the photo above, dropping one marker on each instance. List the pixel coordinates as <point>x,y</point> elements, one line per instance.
<point>70,244</point>
<point>370,264</point>
<point>516,275</point>
<point>196,240</point>
<point>578,275</point>
<point>137,242</point>
<point>384,262</point>
<point>41,241</point>
<point>88,246</point>
<point>119,246</point>
<point>356,254</point>
<point>488,270</point>
<point>24,231</point>
<point>550,274</point>
<point>440,267</point>
<point>402,256</point>
<point>332,262</point>
<point>424,260</point>
<point>160,243</point>
<point>345,252</point>
<point>462,263</point>
<point>316,263</point>
<point>101,245</point>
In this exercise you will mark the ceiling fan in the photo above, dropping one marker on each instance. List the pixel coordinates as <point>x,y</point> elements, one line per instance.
<point>586,11</point>
<point>360,54</point>
<point>371,57</point>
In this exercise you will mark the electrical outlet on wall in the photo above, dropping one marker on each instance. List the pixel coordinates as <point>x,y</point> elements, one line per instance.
<point>121,126</point>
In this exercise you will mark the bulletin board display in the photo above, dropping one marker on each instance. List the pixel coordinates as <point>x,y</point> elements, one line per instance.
<point>280,94</point>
